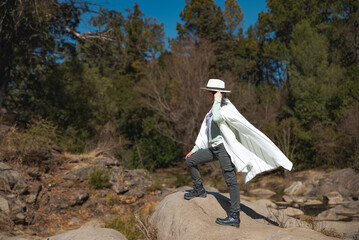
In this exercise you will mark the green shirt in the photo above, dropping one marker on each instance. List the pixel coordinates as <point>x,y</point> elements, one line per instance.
<point>214,134</point>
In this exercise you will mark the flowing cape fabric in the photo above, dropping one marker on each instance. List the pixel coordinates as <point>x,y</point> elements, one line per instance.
<point>250,150</point>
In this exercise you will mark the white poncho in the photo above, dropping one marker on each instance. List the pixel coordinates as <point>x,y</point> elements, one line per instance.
<point>250,150</point>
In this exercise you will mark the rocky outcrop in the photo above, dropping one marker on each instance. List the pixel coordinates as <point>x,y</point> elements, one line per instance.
<point>11,181</point>
<point>176,218</point>
<point>42,200</point>
<point>344,181</point>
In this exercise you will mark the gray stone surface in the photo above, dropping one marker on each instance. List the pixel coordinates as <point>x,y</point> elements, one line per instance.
<point>345,211</point>
<point>176,218</point>
<point>89,234</point>
<point>263,193</point>
<point>11,181</point>
<point>345,181</point>
<point>296,189</point>
<point>333,198</point>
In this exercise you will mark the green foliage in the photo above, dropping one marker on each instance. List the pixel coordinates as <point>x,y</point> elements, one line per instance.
<point>155,187</point>
<point>233,17</point>
<point>314,81</point>
<point>155,151</point>
<point>294,76</point>
<point>98,177</point>
<point>33,33</point>
<point>202,18</point>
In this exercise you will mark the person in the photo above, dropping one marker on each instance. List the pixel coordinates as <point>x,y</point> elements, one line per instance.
<point>225,135</point>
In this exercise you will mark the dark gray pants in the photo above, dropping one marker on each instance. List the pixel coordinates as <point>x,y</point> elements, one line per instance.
<point>228,170</point>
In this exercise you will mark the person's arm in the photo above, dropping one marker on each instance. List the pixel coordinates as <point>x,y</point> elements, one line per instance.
<point>216,109</point>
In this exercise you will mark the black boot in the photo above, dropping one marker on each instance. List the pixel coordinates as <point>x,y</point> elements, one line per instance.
<point>198,191</point>
<point>231,220</point>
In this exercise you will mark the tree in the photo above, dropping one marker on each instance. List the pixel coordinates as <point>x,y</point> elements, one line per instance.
<point>32,33</point>
<point>344,33</point>
<point>233,17</point>
<point>172,90</point>
<point>202,18</point>
<point>313,79</point>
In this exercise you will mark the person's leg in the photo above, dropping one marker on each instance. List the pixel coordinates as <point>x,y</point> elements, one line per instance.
<point>230,177</point>
<point>201,156</point>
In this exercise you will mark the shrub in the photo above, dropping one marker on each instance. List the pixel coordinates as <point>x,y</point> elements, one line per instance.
<point>127,226</point>
<point>38,137</point>
<point>133,227</point>
<point>98,177</point>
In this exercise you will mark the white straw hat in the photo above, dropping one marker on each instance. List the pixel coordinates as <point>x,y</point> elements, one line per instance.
<point>215,85</point>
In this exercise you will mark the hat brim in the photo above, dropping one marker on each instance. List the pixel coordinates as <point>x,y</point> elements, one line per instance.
<point>215,89</point>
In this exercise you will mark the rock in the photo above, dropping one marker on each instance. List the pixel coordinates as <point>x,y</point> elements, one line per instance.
<point>34,172</point>
<point>79,198</point>
<point>4,205</point>
<point>6,224</point>
<point>129,182</point>
<point>93,224</point>
<point>296,234</point>
<point>4,167</point>
<point>57,148</point>
<point>292,212</point>
<point>329,215</point>
<point>348,230</point>
<point>346,211</point>
<point>287,199</point>
<point>283,204</point>
<point>355,196</point>
<point>299,200</point>
<point>177,218</point>
<point>89,234</point>
<point>106,162</point>
<point>11,181</point>
<point>81,173</point>
<point>56,202</point>
<point>7,236</point>
<point>266,203</point>
<point>296,189</point>
<point>311,202</point>
<point>34,190</point>
<point>263,193</point>
<point>332,198</point>
<point>345,181</point>
<point>36,220</point>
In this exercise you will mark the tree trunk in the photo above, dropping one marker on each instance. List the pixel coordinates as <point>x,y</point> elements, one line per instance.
<point>4,74</point>
<point>356,36</point>
<point>2,93</point>
<point>3,82</point>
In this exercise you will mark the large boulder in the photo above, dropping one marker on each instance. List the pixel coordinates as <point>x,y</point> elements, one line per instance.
<point>89,234</point>
<point>344,181</point>
<point>176,218</point>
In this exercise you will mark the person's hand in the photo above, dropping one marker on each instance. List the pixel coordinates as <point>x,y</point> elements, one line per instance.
<point>218,94</point>
<point>188,155</point>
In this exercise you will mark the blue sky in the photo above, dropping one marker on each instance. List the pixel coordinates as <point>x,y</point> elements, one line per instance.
<point>167,11</point>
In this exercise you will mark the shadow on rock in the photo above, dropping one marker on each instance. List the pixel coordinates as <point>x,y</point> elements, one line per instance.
<point>225,204</point>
